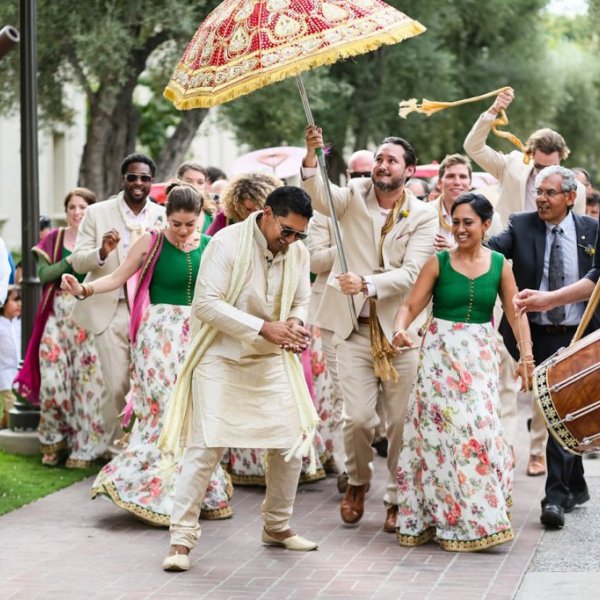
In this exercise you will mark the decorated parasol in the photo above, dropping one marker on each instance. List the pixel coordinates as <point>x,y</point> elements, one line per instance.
<point>244,45</point>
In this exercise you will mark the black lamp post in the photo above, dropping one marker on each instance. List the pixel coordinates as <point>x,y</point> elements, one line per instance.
<point>22,416</point>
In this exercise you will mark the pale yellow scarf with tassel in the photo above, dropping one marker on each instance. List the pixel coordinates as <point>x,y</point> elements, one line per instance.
<point>429,107</point>
<point>178,416</point>
<point>383,352</point>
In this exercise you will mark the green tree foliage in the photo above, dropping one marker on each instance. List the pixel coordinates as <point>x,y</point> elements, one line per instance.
<point>103,47</point>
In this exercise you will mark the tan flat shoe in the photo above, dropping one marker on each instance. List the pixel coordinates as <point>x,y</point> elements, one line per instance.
<point>536,466</point>
<point>176,562</point>
<point>294,542</point>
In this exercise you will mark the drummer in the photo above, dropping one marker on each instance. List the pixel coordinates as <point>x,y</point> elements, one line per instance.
<point>567,241</point>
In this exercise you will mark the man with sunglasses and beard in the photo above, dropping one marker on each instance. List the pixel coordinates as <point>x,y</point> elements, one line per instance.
<point>114,224</point>
<point>388,235</point>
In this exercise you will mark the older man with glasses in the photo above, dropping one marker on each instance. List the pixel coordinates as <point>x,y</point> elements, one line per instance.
<point>549,248</point>
<point>105,235</point>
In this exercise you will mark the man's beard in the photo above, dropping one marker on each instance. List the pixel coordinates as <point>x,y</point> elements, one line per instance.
<point>392,186</point>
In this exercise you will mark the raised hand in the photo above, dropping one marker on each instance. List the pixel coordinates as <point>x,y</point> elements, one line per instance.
<point>110,240</point>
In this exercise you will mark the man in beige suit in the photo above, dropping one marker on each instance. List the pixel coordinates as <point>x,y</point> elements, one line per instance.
<point>544,148</point>
<point>388,235</point>
<point>104,238</point>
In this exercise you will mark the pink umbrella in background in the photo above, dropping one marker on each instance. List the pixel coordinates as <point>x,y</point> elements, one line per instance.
<point>282,161</point>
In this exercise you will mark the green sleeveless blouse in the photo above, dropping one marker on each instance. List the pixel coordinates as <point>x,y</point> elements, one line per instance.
<point>462,300</point>
<point>175,273</point>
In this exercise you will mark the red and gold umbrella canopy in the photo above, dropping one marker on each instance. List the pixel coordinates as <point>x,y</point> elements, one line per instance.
<point>245,45</point>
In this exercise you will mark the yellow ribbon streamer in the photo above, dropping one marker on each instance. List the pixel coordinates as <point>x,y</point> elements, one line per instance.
<point>429,107</point>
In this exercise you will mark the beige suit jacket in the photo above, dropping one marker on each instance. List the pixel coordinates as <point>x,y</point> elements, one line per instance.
<point>406,248</point>
<point>322,249</point>
<point>96,312</point>
<point>508,169</point>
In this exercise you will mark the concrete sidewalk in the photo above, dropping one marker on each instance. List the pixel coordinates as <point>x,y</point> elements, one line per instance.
<point>66,546</point>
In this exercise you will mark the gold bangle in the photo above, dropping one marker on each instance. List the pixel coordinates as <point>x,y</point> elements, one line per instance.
<point>524,342</point>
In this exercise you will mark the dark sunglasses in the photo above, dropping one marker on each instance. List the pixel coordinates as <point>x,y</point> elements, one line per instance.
<point>356,174</point>
<point>132,177</point>
<point>288,231</point>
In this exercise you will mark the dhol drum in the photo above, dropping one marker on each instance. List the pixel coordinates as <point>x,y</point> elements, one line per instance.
<point>567,389</point>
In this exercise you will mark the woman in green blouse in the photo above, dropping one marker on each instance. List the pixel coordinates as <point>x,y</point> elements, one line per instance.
<point>455,466</point>
<point>166,264</point>
<point>61,371</point>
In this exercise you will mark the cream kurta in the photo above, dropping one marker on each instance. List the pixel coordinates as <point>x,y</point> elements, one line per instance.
<point>242,396</point>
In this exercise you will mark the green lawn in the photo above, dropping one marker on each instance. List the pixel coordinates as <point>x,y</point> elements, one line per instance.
<point>23,479</point>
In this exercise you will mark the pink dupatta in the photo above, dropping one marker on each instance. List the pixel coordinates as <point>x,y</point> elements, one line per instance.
<point>141,298</point>
<point>28,379</point>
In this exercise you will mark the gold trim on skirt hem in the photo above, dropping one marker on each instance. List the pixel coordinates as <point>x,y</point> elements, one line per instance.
<point>475,545</point>
<point>50,448</point>
<point>415,540</point>
<point>243,480</point>
<point>150,517</point>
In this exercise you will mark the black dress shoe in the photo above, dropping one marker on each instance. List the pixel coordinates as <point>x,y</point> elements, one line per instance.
<point>575,499</point>
<point>381,446</point>
<point>552,516</point>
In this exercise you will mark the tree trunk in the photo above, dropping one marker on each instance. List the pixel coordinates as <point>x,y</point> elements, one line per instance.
<point>178,144</point>
<point>113,126</point>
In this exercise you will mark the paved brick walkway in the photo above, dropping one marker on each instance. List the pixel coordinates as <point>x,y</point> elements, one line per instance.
<point>66,546</point>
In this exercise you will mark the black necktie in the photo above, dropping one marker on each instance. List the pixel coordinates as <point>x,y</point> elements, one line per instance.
<point>556,275</point>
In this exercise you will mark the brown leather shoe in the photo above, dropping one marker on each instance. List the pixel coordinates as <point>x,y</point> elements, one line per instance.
<point>353,503</point>
<point>536,466</point>
<point>390,519</point>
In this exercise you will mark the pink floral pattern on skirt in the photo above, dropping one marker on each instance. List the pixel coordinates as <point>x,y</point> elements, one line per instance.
<point>455,467</point>
<point>71,386</point>
<point>137,480</point>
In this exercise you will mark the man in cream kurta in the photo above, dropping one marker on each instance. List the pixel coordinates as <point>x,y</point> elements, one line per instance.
<point>382,267</point>
<point>241,395</point>
<point>108,230</point>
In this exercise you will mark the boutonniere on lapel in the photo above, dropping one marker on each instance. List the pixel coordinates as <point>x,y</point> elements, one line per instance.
<point>589,249</point>
<point>402,215</point>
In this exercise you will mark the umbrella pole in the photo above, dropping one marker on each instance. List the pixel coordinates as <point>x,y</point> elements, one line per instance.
<point>323,168</point>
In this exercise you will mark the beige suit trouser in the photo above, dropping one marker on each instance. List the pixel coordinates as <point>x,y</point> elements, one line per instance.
<point>361,389</point>
<point>113,346</point>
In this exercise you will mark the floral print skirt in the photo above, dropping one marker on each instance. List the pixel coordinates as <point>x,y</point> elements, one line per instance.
<point>71,387</point>
<point>137,480</point>
<point>455,467</point>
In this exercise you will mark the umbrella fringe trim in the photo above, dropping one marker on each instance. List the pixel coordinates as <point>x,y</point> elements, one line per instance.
<point>327,57</point>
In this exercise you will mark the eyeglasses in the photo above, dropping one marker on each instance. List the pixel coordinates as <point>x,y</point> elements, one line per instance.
<point>132,177</point>
<point>548,193</point>
<point>287,231</point>
<point>356,174</point>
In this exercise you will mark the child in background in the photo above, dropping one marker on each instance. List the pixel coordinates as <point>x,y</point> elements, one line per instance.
<point>10,349</point>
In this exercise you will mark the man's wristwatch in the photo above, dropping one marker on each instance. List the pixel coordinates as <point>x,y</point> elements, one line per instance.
<point>365,288</point>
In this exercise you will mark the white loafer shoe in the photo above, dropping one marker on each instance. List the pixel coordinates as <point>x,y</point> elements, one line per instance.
<point>176,562</point>
<point>294,542</point>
